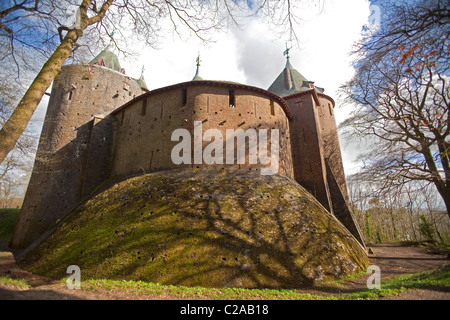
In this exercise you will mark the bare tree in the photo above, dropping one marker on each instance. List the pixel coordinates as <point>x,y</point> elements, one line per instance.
<point>402,98</point>
<point>391,215</point>
<point>15,170</point>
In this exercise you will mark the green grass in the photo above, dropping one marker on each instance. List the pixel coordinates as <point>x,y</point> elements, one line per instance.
<point>19,284</point>
<point>429,279</point>
<point>182,292</point>
<point>8,218</point>
<point>395,286</point>
<point>346,278</point>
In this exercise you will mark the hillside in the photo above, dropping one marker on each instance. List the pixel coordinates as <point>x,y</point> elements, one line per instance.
<point>202,228</point>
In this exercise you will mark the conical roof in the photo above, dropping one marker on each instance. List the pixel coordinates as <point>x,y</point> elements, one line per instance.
<point>110,60</point>
<point>291,81</point>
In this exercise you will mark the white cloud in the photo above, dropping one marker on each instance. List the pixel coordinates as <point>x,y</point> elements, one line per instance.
<point>254,54</point>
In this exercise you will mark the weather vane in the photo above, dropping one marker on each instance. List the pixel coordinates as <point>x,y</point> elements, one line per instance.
<point>198,59</point>
<point>286,52</point>
<point>110,45</point>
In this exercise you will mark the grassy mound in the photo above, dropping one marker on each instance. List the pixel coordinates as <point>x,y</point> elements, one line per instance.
<point>206,228</point>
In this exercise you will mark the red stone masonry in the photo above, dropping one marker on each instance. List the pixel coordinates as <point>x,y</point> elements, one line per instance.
<point>143,139</point>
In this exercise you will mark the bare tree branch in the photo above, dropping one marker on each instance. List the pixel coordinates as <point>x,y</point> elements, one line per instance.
<point>401,93</point>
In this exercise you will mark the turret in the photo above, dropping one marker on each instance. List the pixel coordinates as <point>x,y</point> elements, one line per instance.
<point>316,153</point>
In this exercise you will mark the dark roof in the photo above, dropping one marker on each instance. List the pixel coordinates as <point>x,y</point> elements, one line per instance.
<point>231,85</point>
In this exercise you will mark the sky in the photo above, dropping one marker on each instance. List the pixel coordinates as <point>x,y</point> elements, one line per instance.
<point>253,55</point>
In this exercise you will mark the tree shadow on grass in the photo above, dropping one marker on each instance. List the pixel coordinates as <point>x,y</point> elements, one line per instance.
<point>206,228</point>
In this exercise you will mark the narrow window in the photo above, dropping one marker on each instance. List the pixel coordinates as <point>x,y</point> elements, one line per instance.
<point>184,97</point>
<point>144,107</point>
<point>231,98</point>
<point>70,95</point>
<point>329,109</point>
<point>272,108</point>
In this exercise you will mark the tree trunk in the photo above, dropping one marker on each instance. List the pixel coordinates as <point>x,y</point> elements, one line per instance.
<point>445,194</point>
<point>17,122</point>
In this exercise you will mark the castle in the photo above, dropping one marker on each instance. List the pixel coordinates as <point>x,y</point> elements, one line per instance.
<point>100,123</point>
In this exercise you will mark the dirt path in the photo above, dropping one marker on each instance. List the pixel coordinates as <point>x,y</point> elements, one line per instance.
<point>393,260</point>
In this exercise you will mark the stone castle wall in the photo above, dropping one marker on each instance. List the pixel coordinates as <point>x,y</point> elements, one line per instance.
<point>330,140</point>
<point>145,127</point>
<point>316,153</point>
<point>307,149</point>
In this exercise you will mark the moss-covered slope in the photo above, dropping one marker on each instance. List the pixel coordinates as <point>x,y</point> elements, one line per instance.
<point>207,228</point>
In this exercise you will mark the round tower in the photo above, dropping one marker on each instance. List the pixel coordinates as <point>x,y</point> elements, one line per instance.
<point>75,133</point>
<point>307,145</point>
<point>316,153</point>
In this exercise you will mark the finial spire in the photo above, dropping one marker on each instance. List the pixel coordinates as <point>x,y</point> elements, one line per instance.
<point>110,45</point>
<point>142,71</point>
<point>197,77</point>
<point>286,52</point>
